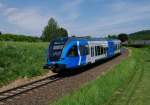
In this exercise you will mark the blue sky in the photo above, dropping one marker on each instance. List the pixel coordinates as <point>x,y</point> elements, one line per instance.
<point>80,17</point>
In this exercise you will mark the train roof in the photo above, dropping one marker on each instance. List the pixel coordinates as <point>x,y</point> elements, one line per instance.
<point>69,39</point>
<point>91,39</point>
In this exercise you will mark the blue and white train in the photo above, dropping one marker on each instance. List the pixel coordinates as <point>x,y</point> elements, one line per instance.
<point>74,52</point>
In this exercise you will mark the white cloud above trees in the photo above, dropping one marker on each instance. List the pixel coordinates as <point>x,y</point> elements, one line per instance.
<point>123,16</point>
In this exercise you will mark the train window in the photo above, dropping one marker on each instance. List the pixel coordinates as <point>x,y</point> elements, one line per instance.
<point>95,50</point>
<point>102,50</point>
<point>92,51</point>
<point>83,50</point>
<point>117,47</point>
<point>73,52</point>
<point>87,49</point>
<point>98,50</point>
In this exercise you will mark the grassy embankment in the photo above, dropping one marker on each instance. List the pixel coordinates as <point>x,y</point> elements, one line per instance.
<point>120,82</point>
<point>137,91</point>
<point>21,59</point>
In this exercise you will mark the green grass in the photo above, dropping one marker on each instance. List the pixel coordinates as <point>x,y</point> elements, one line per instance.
<point>137,91</point>
<point>110,86</point>
<point>21,59</point>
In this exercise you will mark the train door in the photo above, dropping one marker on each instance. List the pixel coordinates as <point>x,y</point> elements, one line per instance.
<point>73,57</point>
<point>110,50</point>
<point>84,54</point>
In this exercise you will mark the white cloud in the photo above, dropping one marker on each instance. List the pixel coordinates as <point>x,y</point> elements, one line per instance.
<point>116,22</point>
<point>31,20</point>
<point>28,20</point>
<point>71,9</point>
<point>71,5</point>
<point>9,11</point>
<point>1,5</point>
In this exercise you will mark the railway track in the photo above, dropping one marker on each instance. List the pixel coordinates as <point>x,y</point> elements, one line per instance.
<point>11,93</point>
<point>5,95</point>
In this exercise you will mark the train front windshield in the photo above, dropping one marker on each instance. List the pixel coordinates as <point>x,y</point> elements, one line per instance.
<point>55,49</point>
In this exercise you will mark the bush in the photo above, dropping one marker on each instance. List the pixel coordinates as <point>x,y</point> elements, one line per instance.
<point>21,59</point>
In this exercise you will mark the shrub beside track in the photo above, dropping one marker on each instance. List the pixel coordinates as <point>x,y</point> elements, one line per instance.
<point>21,59</point>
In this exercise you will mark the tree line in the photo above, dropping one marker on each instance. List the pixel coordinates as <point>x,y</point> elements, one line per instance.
<point>51,30</point>
<point>140,35</point>
<point>123,37</point>
<point>19,38</point>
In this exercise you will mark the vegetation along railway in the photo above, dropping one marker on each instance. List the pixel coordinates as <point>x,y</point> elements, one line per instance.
<point>68,54</point>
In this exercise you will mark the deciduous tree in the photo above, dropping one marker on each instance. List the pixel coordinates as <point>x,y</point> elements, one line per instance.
<point>61,32</point>
<point>123,37</point>
<point>52,30</point>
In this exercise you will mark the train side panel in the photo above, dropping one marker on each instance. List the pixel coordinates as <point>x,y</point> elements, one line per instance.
<point>107,49</point>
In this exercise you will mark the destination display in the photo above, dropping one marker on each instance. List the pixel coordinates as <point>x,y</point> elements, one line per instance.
<point>58,47</point>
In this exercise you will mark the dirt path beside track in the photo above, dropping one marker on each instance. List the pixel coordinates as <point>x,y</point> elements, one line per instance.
<point>48,93</point>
